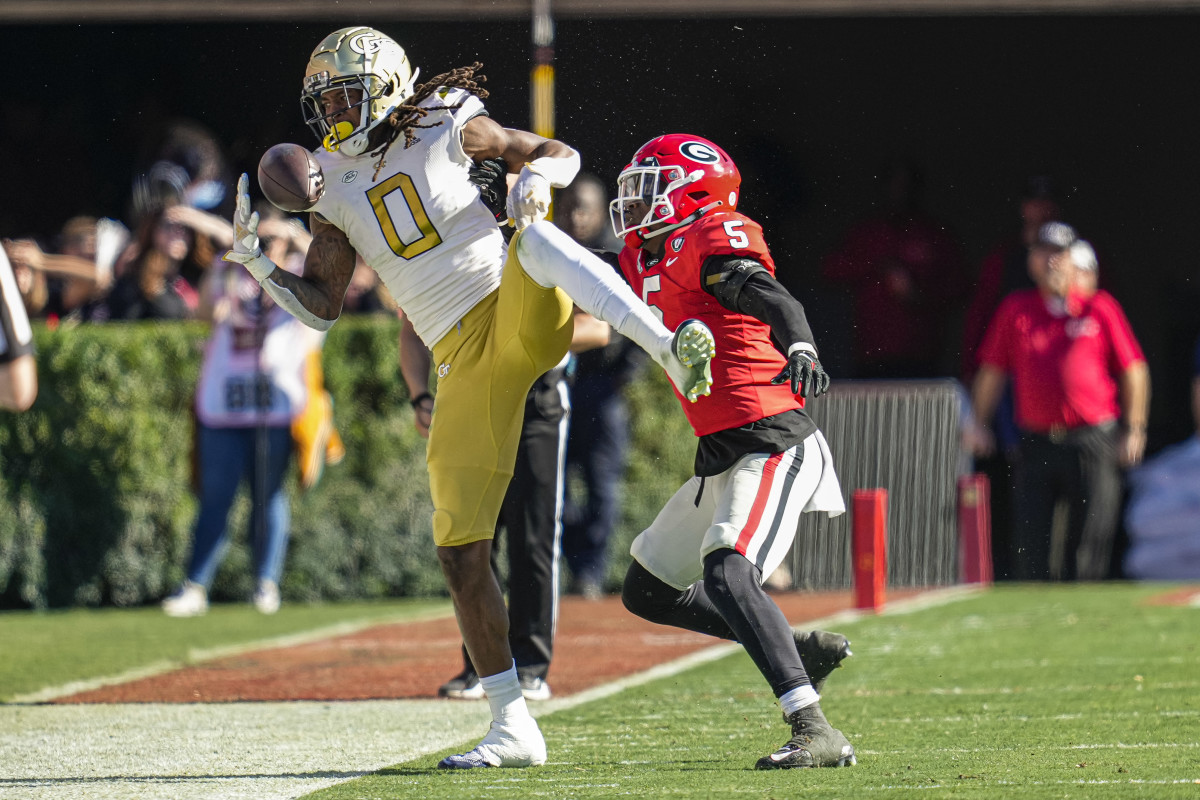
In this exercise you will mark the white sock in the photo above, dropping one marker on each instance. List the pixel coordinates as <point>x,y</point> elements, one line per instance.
<point>504,695</point>
<point>798,698</point>
<point>553,259</point>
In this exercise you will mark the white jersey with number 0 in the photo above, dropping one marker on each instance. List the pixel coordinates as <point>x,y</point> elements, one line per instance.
<point>420,223</point>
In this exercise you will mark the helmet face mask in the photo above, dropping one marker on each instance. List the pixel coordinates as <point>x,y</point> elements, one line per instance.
<point>651,186</point>
<point>677,179</point>
<point>374,75</point>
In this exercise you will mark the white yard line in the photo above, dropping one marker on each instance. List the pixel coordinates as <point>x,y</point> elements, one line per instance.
<point>260,751</point>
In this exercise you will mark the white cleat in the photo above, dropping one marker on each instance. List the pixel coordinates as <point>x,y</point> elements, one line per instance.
<point>190,601</point>
<point>515,744</point>
<point>266,597</point>
<point>689,364</point>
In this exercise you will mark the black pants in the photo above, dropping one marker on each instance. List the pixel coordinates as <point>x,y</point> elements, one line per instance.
<point>531,524</point>
<point>1080,468</point>
<point>599,447</point>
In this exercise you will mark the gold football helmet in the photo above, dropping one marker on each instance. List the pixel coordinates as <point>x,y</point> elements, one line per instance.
<point>360,60</point>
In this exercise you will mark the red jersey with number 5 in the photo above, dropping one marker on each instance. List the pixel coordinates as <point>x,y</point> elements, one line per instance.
<point>747,359</point>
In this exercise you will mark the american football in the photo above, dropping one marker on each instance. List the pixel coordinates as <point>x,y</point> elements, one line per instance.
<point>290,177</point>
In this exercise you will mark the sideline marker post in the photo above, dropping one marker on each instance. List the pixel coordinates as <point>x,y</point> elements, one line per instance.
<point>870,548</point>
<point>975,529</point>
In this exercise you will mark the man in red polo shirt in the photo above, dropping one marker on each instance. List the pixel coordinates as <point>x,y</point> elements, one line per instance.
<point>1081,389</point>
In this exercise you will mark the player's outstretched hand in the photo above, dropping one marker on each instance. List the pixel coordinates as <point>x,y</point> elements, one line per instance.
<point>804,372</point>
<point>529,199</point>
<point>246,248</point>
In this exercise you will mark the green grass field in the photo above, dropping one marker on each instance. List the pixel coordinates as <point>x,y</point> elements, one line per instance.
<point>1033,692</point>
<point>1022,691</point>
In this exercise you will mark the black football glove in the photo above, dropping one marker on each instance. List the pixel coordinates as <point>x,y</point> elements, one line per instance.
<point>491,176</point>
<point>807,377</point>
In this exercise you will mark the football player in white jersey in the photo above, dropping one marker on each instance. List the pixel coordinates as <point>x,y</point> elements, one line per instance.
<point>397,191</point>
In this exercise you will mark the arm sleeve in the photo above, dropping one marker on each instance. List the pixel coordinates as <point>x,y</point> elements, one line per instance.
<point>745,286</point>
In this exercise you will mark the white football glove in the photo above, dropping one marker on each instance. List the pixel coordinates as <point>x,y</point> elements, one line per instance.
<point>529,198</point>
<point>246,248</point>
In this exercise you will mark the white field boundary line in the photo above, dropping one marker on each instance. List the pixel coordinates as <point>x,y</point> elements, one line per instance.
<point>201,655</point>
<point>931,599</point>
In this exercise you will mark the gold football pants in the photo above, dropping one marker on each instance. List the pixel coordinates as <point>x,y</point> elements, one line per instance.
<point>485,366</point>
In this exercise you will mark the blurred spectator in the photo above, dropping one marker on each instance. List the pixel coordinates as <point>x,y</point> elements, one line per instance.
<point>1005,268</point>
<point>1087,268</point>
<point>1081,390</point>
<point>187,167</point>
<point>59,283</point>
<point>18,372</point>
<point>159,274</point>
<point>1163,516</point>
<point>905,274</point>
<point>581,210</point>
<point>253,384</point>
<point>366,293</point>
<point>599,439</point>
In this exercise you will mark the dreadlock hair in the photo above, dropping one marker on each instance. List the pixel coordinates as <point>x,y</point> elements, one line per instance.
<point>407,116</point>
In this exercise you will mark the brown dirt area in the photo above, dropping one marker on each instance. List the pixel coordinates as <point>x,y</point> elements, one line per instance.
<point>1183,596</point>
<point>596,642</point>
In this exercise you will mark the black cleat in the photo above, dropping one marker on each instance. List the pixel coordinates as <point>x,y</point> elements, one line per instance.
<point>463,686</point>
<point>821,652</point>
<point>814,743</point>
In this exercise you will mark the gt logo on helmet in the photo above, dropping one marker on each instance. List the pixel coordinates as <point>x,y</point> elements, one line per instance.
<point>699,152</point>
<point>368,43</point>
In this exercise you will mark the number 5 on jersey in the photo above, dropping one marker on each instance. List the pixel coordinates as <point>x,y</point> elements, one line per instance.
<point>737,237</point>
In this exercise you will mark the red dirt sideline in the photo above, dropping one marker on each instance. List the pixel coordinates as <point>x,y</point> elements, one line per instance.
<point>596,642</point>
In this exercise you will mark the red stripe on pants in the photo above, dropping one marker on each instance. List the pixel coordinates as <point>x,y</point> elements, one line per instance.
<point>760,503</point>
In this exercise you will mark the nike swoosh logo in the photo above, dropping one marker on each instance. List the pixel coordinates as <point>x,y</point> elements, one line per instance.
<point>671,261</point>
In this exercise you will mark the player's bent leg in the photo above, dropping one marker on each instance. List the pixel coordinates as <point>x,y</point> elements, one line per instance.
<point>652,599</point>
<point>732,584</point>
<point>814,743</point>
<point>551,258</point>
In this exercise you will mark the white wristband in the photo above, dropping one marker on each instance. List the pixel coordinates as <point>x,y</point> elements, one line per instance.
<point>803,346</point>
<point>559,171</point>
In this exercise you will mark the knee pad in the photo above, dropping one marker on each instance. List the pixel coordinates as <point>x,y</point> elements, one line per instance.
<point>727,574</point>
<point>646,596</point>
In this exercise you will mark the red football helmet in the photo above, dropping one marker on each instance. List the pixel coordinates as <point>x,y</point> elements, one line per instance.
<point>679,178</point>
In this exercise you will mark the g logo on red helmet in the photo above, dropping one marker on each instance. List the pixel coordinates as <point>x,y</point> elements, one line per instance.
<point>700,152</point>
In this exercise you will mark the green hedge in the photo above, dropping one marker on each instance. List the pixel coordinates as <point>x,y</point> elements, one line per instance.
<point>94,500</point>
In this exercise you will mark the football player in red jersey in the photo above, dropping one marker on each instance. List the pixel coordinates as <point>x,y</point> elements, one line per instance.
<point>761,460</point>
